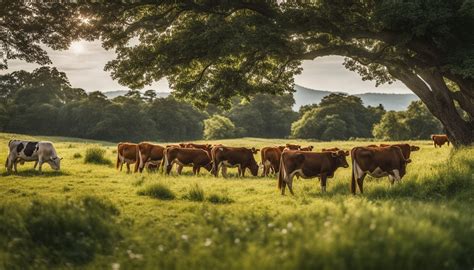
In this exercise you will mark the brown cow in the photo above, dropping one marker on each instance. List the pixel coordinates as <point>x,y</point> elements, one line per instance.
<point>334,149</point>
<point>405,147</point>
<point>439,140</point>
<point>293,146</point>
<point>126,153</point>
<point>307,149</point>
<point>308,165</point>
<point>240,157</point>
<point>377,162</point>
<point>187,156</point>
<point>148,152</point>
<point>271,159</point>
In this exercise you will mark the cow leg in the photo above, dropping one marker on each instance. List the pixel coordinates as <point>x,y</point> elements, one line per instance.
<point>128,167</point>
<point>179,169</point>
<point>360,182</point>
<point>14,165</point>
<point>224,171</point>
<point>40,163</point>
<point>242,171</point>
<point>36,164</point>
<point>323,179</point>
<point>290,185</point>
<point>391,178</point>
<point>195,169</point>
<point>283,187</point>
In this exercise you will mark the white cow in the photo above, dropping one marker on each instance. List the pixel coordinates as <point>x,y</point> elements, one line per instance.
<point>40,152</point>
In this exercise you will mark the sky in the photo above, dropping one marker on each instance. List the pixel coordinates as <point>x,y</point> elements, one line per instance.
<point>84,64</point>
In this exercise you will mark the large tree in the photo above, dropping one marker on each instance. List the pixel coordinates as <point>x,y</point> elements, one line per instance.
<point>212,50</point>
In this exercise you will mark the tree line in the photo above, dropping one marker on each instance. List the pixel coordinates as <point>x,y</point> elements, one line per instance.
<point>43,102</point>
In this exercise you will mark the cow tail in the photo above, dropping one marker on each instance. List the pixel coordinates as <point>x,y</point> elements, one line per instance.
<point>281,174</point>
<point>118,158</point>
<point>353,180</point>
<point>138,159</point>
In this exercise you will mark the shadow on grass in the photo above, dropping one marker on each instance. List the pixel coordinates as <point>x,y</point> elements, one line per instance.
<point>35,173</point>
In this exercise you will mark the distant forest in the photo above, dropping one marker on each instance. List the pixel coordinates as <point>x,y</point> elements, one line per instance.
<point>43,102</point>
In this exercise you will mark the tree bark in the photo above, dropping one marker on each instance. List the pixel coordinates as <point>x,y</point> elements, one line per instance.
<point>429,86</point>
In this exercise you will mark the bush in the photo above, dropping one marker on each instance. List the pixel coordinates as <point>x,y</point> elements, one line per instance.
<point>219,199</point>
<point>219,127</point>
<point>196,193</point>
<point>57,234</point>
<point>77,155</point>
<point>96,156</point>
<point>158,191</point>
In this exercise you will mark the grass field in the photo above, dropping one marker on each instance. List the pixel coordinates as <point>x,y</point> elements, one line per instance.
<point>94,217</point>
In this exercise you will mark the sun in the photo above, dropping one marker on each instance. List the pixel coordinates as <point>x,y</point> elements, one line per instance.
<point>77,48</point>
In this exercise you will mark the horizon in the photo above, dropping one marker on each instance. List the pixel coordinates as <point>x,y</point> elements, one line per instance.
<point>322,74</point>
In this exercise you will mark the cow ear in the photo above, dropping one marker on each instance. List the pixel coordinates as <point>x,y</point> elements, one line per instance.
<point>408,160</point>
<point>334,154</point>
<point>60,158</point>
<point>346,153</point>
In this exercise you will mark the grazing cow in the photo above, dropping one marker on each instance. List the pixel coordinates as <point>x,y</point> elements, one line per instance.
<point>126,154</point>
<point>377,162</point>
<point>148,152</point>
<point>24,151</point>
<point>334,149</point>
<point>309,165</point>
<point>240,157</point>
<point>307,149</point>
<point>290,146</point>
<point>187,156</point>
<point>439,140</point>
<point>271,159</point>
<point>405,147</point>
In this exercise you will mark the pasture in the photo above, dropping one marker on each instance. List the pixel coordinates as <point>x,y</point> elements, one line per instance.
<point>91,216</point>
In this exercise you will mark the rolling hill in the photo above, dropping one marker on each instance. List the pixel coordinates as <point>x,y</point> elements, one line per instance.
<point>305,96</point>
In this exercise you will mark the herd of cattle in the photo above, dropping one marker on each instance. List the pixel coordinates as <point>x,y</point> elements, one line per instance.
<point>286,161</point>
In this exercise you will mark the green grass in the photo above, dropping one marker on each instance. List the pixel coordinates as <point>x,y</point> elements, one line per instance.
<point>96,155</point>
<point>158,191</point>
<point>424,222</point>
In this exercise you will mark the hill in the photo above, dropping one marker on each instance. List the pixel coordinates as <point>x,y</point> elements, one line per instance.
<point>397,102</point>
<point>305,96</point>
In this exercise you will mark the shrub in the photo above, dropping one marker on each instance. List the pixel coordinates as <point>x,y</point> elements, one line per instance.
<point>158,191</point>
<point>96,156</point>
<point>219,199</point>
<point>77,155</point>
<point>57,234</point>
<point>139,182</point>
<point>219,127</point>
<point>196,193</point>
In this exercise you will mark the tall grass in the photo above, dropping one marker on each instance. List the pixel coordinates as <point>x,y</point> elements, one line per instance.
<point>50,233</point>
<point>96,155</point>
<point>158,191</point>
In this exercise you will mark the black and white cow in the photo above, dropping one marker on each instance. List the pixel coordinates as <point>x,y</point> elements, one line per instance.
<point>40,152</point>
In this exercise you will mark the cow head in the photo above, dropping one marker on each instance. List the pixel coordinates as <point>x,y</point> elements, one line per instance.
<point>208,166</point>
<point>340,158</point>
<point>253,167</point>
<point>55,163</point>
<point>414,148</point>
<point>254,150</point>
<point>293,146</point>
<point>403,167</point>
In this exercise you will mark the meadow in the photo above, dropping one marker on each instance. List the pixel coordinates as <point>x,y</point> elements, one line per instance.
<point>91,216</point>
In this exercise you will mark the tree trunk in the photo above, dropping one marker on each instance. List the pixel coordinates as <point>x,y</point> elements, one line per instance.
<point>430,87</point>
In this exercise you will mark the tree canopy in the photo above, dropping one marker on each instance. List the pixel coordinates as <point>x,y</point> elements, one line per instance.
<point>211,51</point>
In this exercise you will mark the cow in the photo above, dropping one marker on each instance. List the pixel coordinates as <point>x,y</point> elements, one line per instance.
<point>308,149</point>
<point>309,165</point>
<point>126,154</point>
<point>334,149</point>
<point>187,156</point>
<point>377,162</point>
<point>290,146</point>
<point>240,157</point>
<point>270,157</point>
<point>25,151</point>
<point>148,152</point>
<point>439,140</point>
<point>405,147</point>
